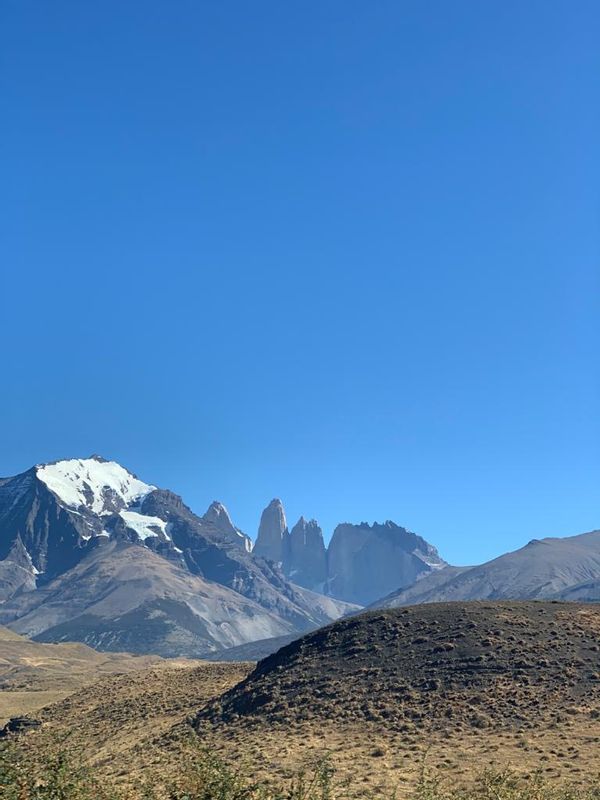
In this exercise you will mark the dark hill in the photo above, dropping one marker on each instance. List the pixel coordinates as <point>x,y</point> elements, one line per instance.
<point>447,666</point>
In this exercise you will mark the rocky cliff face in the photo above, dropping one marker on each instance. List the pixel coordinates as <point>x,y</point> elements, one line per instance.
<point>306,562</point>
<point>272,539</point>
<point>363,562</point>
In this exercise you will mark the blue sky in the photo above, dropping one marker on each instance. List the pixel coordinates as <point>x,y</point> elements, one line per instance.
<point>345,253</point>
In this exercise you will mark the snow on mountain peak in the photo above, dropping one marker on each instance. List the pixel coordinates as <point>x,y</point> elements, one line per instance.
<point>144,526</point>
<point>100,486</point>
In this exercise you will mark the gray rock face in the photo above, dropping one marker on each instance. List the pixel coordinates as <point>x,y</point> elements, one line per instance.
<point>17,573</point>
<point>18,555</point>
<point>272,533</point>
<point>363,562</point>
<point>14,579</point>
<point>306,558</point>
<point>218,516</point>
<point>366,562</point>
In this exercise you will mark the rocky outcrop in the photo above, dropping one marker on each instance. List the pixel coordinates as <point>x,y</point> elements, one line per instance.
<point>362,564</point>
<point>272,539</point>
<point>18,555</point>
<point>17,573</point>
<point>366,562</point>
<point>218,516</point>
<point>14,579</point>
<point>306,558</point>
<point>16,725</point>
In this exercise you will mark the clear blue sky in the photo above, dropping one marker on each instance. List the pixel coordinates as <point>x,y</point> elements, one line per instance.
<point>345,253</point>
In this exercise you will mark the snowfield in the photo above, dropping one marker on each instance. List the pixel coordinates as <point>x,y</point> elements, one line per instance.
<point>93,484</point>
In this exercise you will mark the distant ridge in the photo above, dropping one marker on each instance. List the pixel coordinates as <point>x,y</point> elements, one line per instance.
<point>553,568</point>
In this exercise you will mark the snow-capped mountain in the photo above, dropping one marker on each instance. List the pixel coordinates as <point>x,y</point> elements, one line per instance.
<point>93,485</point>
<point>66,526</point>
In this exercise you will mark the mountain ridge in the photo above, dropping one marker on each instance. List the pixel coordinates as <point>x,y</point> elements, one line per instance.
<point>549,568</point>
<point>73,520</point>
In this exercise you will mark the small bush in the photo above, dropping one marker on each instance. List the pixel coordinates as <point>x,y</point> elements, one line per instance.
<point>206,777</point>
<point>60,777</point>
<point>502,786</point>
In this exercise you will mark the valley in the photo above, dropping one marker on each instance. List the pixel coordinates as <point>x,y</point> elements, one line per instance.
<point>34,675</point>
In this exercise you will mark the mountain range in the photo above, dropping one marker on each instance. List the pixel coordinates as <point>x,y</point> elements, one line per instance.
<point>91,553</point>
<point>362,563</point>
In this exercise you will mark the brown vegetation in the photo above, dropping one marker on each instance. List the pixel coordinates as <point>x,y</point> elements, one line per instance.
<point>459,688</point>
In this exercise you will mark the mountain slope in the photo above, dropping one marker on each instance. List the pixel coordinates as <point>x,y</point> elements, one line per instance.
<point>543,569</point>
<point>125,597</point>
<point>420,590</point>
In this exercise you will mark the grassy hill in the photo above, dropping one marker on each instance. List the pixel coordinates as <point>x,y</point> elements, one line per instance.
<point>462,685</point>
<point>33,675</point>
<point>457,687</point>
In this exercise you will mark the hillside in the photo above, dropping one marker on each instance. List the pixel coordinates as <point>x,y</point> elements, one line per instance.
<point>33,675</point>
<point>463,686</point>
<point>435,662</point>
<point>118,721</point>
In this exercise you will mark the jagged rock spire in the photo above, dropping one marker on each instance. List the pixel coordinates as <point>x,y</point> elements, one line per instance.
<point>272,533</point>
<point>218,516</point>
<point>307,559</point>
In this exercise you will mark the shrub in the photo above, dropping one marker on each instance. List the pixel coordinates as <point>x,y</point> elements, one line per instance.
<point>63,777</point>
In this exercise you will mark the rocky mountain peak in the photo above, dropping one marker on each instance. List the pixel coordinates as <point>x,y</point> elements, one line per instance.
<point>218,514</point>
<point>99,486</point>
<point>304,526</point>
<point>306,562</point>
<point>272,532</point>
